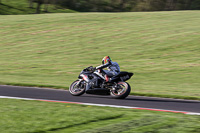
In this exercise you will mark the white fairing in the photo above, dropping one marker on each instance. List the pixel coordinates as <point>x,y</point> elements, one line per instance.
<point>84,77</point>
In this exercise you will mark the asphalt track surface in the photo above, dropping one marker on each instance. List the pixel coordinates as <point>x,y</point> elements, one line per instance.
<point>133,101</point>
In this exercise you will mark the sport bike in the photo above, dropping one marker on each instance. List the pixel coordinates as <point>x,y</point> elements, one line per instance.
<point>90,81</point>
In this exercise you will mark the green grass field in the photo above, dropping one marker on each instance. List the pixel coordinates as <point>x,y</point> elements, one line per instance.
<point>50,50</point>
<point>16,7</point>
<point>21,116</point>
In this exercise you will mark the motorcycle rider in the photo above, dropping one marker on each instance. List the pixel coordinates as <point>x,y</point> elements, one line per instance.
<point>113,68</point>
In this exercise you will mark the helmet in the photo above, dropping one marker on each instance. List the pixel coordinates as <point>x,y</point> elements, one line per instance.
<point>106,59</point>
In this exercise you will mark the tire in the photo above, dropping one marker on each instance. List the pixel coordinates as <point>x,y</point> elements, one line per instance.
<point>76,91</point>
<point>122,92</point>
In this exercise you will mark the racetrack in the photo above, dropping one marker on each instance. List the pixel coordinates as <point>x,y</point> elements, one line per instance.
<point>131,101</point>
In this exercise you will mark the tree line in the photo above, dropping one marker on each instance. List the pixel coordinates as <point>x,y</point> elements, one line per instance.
<point>117,5</point>
<point>129,5</point>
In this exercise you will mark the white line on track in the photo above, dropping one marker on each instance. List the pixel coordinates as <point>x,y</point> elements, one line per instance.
<point>104,105</point>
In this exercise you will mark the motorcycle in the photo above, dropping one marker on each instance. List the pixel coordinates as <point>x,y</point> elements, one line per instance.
<point>90,81</point>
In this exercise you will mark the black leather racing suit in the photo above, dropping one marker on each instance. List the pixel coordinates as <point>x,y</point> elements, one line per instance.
<point>113,68</point>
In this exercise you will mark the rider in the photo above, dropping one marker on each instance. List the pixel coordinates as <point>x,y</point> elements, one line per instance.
<point>113,68</point>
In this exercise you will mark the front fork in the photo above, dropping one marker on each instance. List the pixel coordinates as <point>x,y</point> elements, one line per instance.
<point>87,84</point>
<point>87,80</point>
<point>80,80</point>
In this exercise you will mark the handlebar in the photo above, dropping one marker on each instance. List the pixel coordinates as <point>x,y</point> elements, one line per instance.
<point>90,68</point>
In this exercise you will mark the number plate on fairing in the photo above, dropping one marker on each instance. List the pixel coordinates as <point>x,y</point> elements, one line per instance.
<point>124,78</point>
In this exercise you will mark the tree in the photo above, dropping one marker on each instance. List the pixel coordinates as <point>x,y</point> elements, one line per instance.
<point>170,5</point>
<point>30,3</point>
<point>195,5</point>
<point>39,3</point>
<point>121,5</point>
<point>189,4</point>
<point>47,2</point>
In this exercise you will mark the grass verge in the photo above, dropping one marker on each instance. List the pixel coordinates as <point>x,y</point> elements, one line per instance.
<point>50,50</point>
<point>20,116</point>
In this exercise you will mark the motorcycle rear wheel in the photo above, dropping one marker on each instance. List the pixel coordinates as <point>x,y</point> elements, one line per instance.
<point>122,91</point>
<point>76,90</point>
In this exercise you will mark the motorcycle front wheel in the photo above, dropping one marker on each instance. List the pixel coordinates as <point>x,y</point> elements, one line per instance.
<point>121,91</point>
<point>75,89</point>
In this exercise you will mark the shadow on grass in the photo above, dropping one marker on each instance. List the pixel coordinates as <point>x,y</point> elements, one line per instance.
<point>83,123</point>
